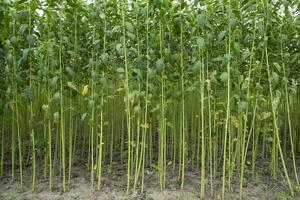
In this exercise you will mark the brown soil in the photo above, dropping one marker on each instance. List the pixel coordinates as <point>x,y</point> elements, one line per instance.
<point>259,186</point>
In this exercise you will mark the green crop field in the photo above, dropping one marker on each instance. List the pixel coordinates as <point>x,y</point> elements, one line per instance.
<point>150,95</point>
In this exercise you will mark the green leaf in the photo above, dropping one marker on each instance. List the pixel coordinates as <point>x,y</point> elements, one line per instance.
<point>167,52</point>
<point>265,115</point>
<point>201,43</point>
<point>242,106</point>
<point>196,67</point>
<point>22,15</point>
<point>232,21</point>
<point>201,20</point>
<point>137,109</point>
<point>13,40</point>
<point>221,35</point>
<point>70,71</point>
<point>83,116</point>
<point>276,99</point>
<point>72,86</point>
<point>237,47</point>
<point>30,39</point>
<point>25,53</point>
<point>245,54</point>
<point>102,15</point>
<point>224,76</point>
<point>160,64</point>
<point>103,82</point>
<point>23,28</point>
<point>119,48</point>
<point>27,93</point>
<point>217,59</point>
<point>275,78</point>
<point>278,67</point>
<point>94,75</point>
<point>56,96</point>
<point>9,58</point>
<point>104,57</point>
<point>72,53</point>
<point>246,83</point>
<point>120,70</point>
<point>53,81</point>
<point>227,56</point>
<point>56,117</point>
<point>129,27</point>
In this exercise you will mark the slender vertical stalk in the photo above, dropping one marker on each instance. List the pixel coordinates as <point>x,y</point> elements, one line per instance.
<point>209,92</point>
<point>100,143</point>
<point>32,134</point>
<point>2,147</point>
<point>16,114</point>
<point>93,112</point>
<point>228,104</point>
<point>201,75</point>
<point>182,98</point>
<point>146,98</point>
<point>276,129</point>
<point>101,111</point>
<point>19,141</point>
<point>162,131</point>
<point>289,116</point>
<point>70,103</point>
<point>127,100</point>
<point>138,154</point>
<point>47,113</point>
<point>13,148</point>
<point>62,119</point>
<point>244,151</point>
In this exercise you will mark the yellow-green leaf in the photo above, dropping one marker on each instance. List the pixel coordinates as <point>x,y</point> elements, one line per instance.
<point>85,90</point>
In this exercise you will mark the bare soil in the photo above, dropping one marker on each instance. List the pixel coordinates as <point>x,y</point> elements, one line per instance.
<point>257,186</point>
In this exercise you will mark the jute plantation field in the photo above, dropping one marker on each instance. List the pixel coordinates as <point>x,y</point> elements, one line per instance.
<point>149,99</point>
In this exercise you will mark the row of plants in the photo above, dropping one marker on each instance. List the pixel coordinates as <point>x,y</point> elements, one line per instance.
<point>208,86</point>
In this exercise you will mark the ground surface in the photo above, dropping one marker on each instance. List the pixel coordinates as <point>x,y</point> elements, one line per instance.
<point>114,185</point>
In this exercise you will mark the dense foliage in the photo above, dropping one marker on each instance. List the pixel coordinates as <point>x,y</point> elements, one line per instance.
<point>206,85</point>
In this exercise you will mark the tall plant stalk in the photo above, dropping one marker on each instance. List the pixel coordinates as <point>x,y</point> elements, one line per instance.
<point>228,103</point>
<point>183,150</point>
<point>276,129</point>
<point>127,93</point>
<point>62,118</point>
<point>32,132</point>
<point>244,151</point>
